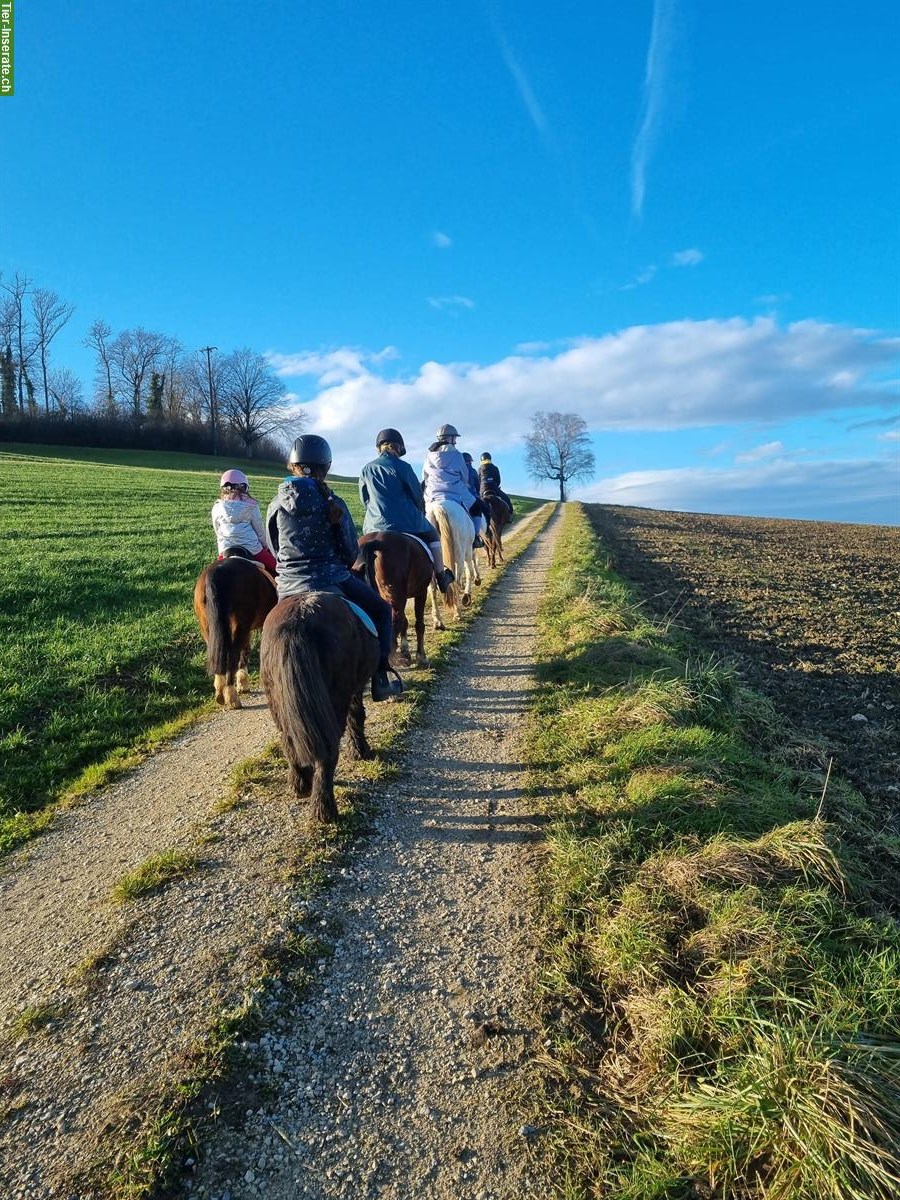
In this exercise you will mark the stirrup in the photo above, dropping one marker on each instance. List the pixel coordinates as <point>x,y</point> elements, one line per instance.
<point>384,688</point>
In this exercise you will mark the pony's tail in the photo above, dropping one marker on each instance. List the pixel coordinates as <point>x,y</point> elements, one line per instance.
<point>295,685</point>
<point>365,563</point>
<point>445,529</point>
<point>220,649</point>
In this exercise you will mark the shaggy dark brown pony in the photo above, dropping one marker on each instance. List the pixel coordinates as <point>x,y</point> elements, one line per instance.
<point>316,656</point>
<point>232,597</point>
<point>400,569</point>
<point>493,535</point>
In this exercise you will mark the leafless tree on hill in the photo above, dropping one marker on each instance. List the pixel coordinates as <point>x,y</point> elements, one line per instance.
<point>66,392</point>
<point>134,355</point>
<point>98,339</point>
<point>25,344</point>
<point>50,315</point>
<point>559,448</point>
<point>251,397</point>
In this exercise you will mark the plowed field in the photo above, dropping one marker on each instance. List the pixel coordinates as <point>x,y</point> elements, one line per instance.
<point>810,611</point>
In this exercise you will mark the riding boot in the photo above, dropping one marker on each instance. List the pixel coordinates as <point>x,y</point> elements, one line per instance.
<point>445,579</point>
<point>384,688</point>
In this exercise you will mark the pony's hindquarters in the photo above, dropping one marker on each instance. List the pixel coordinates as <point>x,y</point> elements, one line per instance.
<point>315,659</point>
<point>231,599</point>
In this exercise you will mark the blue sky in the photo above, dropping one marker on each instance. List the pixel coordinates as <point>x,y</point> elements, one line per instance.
<point>676,219</point>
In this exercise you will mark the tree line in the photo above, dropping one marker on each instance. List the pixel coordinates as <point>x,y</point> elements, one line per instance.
<point>148,388</point>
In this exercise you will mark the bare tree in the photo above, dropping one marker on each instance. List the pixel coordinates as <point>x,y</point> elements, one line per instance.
<point>25,345</point>
<point>251,397</point>
<point>66,392</point>
<point>50,315</point>
<point>559,448</point>
<point>98,339</point>
<point>133,354</point>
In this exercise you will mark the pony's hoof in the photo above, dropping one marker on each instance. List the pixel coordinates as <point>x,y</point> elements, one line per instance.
<point>478,583</point>
<point>466,599</point>
<point>422,661</point>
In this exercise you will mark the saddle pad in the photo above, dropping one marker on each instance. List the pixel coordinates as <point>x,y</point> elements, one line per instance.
<point>424,545</point>
<point>363,616</point>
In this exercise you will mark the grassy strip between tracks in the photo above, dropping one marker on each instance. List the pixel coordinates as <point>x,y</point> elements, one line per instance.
<point>141,1155</point>
<point>721,974</point>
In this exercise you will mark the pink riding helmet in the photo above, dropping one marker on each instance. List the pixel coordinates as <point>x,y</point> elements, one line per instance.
<point>238,478</point>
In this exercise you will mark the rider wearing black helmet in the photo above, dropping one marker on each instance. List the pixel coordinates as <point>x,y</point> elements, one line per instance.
<point>312,536</point>
<point>393,499</point>
<point>489,475</point>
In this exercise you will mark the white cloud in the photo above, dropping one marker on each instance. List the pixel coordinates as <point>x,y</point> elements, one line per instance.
<point>680,375</point>
<point>687,258</point>
<point>767,450</point>
<point>647,275</point>
<point>525,90</point>
<point>655,78</point>
<point>857,490</point>
<point>443,241</point>
<point>893,435</point>
<point>329,366</point>
<point>772,299</point>
<point>451,302</point>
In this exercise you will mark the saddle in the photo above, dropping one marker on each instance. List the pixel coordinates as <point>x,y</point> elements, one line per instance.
<point>424,545</point>
<point>368,623</point>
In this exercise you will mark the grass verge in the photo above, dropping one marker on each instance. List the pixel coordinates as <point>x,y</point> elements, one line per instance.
<point>154,873</point>
<point>721,973</point>
<point>141,1152</point>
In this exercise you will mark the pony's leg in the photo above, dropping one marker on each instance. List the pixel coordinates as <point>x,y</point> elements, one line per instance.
<point>322,804</point>
<point>401,641</point>
<point>301,780</point>
<point>219,685</point>
<point>243,677</point>
<point>474,561</point>
<point>357,746</point>
<point>437,623</point>
<point>421,657</point>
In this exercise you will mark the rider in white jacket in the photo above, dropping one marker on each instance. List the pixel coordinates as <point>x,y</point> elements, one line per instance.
<point>445,475</point>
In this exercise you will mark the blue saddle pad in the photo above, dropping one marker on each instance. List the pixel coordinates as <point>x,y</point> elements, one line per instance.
<point>363,616</point>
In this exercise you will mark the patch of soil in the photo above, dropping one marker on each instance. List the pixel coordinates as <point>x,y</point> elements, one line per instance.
<point>809,611</point>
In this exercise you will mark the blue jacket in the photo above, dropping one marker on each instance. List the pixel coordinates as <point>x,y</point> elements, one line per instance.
<point>393,497</point>
<point>474,482</point>
<point>312,553</point>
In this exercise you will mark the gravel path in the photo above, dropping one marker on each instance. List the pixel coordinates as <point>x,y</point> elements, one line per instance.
<point>398,1074</point>
<point>429,992</point>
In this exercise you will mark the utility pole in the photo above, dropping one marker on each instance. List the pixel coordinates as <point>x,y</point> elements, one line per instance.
<point>213,415</point>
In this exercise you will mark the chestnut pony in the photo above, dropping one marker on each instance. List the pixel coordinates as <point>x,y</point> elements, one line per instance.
<point>316,656</point>
<point>232,597</point>
<point>399,568</point>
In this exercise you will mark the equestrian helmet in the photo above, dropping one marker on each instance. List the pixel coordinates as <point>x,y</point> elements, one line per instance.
<point>468,457</point>
<point>311,451</point>
<point>485,457</point>
<point>446,432</point>
<point>392,437</point>
<point>235,478</point>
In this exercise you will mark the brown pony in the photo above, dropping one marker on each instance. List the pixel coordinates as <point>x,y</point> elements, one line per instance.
<point>493,539</point>
<point>316,656</point>
<point>232,597</point>
<point>399,568</point>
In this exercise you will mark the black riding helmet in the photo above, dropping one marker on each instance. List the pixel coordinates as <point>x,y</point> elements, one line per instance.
<point>311,451</point>
<point>391,437</point>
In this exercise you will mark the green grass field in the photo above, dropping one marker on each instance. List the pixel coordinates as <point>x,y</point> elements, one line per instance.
<point>98,641</point>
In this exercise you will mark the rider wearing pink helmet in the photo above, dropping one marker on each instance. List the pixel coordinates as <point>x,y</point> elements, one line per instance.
<point>237,521</point>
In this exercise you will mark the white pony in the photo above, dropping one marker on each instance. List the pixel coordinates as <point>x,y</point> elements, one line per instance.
<point>457,532</point>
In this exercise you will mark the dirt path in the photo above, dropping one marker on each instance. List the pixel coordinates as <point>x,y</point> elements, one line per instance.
<point>395,1077</point>
<point>122,992</point>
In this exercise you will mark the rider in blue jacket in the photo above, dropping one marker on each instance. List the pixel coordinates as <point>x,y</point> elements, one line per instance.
<point>311,533</point>
<point>393,498</point>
